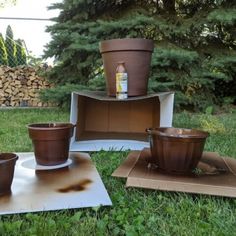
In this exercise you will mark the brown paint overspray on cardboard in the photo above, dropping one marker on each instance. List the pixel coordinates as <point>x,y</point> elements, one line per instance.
<point>102,117</point>
<point>63,177</point>
<point>217,176</point>
<point>80,186</point>
<point>6,198</point>
<point>39,190</point>
<point>104,123</point>
<point>42,181</point>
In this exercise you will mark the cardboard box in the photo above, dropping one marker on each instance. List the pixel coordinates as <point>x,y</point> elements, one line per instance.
<point>217,175</point>
<point>106,123</point>
<point>73,186</point>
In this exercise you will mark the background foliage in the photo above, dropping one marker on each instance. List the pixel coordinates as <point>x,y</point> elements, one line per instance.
<point>10,47</point>
<point>194,44</point>
<point>3,52</point>
<point>12,52</point>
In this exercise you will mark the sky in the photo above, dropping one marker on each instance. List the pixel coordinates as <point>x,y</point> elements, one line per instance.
<point>32,32</point>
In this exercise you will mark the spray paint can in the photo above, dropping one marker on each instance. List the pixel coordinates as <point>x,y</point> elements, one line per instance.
<point>121,81</point>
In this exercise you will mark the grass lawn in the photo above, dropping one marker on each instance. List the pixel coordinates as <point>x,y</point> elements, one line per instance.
<point>134,211</point>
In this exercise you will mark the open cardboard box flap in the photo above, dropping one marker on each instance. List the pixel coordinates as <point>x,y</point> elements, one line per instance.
<point>104,122</point>
<point>217,175</point>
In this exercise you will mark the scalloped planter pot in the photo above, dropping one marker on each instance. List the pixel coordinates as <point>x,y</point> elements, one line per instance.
<point>136,53</point>
<point>7,168</point>
<point>177,150</point>
<point>51,142</point>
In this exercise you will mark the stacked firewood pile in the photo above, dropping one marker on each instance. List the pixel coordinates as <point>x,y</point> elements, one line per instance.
<point>20,86</point>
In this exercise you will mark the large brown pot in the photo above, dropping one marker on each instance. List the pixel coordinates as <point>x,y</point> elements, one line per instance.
<point>7,167</point>
<point>176,150</point>
<point>136,53</point>
<point>51,142</point>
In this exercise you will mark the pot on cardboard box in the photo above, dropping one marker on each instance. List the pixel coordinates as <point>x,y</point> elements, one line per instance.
<point>7,168</point>
<point>136,53</point>
<point>51,142</point>
<point>176,150</point>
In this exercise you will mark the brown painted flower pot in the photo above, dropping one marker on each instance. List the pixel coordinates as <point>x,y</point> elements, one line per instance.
<point>51,142</point>
<point>7,167</point>
<point>136,53</point>
<point>177,150</point>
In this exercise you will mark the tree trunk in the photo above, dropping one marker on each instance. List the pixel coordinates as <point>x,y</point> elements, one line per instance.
<point>169,6</point>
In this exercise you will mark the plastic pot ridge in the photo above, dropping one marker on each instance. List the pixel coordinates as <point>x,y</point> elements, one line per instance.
<point>176,150</point>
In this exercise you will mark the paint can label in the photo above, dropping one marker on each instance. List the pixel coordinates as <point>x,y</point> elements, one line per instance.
<point>121,85</point>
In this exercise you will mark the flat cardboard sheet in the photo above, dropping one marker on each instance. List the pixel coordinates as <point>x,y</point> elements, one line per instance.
<point>74,186</point>
<point>217,175</point>
<point>106,123</point>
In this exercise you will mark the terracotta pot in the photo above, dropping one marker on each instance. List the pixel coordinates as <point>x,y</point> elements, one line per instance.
<point>177,150</point>
<point>51,142</point>
<point>7,167</point>
<point>136,53</point>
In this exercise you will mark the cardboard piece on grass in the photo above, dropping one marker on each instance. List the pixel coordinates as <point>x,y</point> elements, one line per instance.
<point>75,186</point>
<point>217,175</point>
<point>106,123</point>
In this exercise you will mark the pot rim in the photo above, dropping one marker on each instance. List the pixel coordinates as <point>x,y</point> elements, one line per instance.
<point>10,156</point>
<point>50,126</point>
<point>123,39</point>
<point>160,132</point>
<point>126,44</point>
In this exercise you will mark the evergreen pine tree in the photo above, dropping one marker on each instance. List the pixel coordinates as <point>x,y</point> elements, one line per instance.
<point>10,47</point>
<point>3,52</point>
<point>20,53</point>
<point>195,43</point>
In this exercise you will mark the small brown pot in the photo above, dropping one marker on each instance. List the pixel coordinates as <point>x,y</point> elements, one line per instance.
<point>7,167</point>
<point>51,142</point>
<point>136,54</point>
<point>176,150</point>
